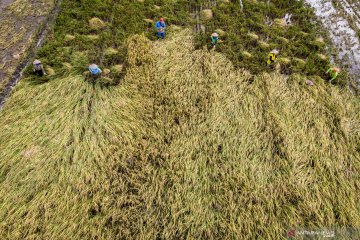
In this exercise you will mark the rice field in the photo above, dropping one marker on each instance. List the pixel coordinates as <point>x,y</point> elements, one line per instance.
<point>178,140</point>
<point>19,22</point>
<point>341,19</point>
<point>187,147</point>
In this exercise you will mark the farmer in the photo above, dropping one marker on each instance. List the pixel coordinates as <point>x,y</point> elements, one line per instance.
<point>95,71</point>
<point>160,28</point>
<point>272,56</point>
<point>38,68</point>
<point>333,73</point>
<point>214,39</point>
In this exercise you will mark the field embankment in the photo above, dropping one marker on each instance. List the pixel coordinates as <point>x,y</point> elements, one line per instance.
<point>186,147</point>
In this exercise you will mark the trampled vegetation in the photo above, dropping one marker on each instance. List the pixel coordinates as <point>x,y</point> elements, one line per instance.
<point>178,143</point>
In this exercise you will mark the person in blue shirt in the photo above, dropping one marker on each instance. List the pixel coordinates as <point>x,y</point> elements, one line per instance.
<point>95,71</point>
<point>160,28</point>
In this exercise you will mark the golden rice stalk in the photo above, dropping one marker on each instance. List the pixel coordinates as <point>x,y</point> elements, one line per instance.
<point>96,23</point>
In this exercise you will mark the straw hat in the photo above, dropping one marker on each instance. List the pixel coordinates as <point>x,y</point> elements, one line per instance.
<point>215,35</point>
<point>93,66</point>
<point>36,62</point>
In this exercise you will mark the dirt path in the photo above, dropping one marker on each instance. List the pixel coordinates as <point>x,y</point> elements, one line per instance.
<point>342,23</point>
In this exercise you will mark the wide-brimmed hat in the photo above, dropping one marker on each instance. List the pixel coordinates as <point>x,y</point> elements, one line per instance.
<point>93,66</point>
<point>36,62</point>
<point>215,34</point>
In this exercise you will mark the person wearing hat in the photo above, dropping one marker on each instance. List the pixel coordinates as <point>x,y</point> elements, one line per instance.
<point>214,38</point>
<point>38,68</point>
<point>333,73</point>
<point>160,28</point>
<point>272,56</point>
<point>95,71</point>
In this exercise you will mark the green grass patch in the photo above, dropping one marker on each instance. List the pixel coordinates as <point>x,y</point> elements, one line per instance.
<point>259,28</point>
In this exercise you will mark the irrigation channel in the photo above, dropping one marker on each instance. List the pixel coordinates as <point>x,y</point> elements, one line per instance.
<point>39,41</point>
<point>342,22</point>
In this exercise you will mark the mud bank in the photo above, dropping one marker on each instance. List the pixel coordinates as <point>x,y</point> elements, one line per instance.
<point>342,34</point>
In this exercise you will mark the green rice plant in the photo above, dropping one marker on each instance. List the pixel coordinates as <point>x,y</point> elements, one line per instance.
<point>259,20</point>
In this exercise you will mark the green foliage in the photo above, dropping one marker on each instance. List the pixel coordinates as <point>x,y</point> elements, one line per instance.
<point>121,20</point>
<point>299,40</point>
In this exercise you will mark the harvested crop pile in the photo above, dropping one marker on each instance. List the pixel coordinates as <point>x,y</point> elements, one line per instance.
<point>185,147</point>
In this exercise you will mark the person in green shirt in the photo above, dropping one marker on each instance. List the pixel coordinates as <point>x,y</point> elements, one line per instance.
<point>214,39</point>
<point>333,73</point>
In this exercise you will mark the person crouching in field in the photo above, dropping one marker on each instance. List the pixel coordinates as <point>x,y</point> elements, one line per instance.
<point>332,72</point>
<point>214,39</point>
<point>38,68</point>
<point>160,28</point>
<point>272,56</point>
<point>95,71</point>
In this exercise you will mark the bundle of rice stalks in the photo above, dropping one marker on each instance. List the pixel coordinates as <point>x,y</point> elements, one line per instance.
<point>92,37</point>
<point>206,14</point>
<point>280,22</point>
<point>246,54</point>
<point>305,34</point>
<point>284,60</point>
<point>106,71</point>
<point>49,71</point>
<point>111,51</point>
<point>283,40</point>
<point>263,45</point>
<point>321,56</point>
<point>319,41</point>
<point>221,32</point>
<point>69,37</point>
<point>148,20</point>
<point>67,65</point>
<point>253,36</point>
<point>117,68</point>
<point>96,23</point>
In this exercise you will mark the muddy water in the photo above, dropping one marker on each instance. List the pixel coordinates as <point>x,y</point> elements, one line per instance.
<point>343,36</point>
